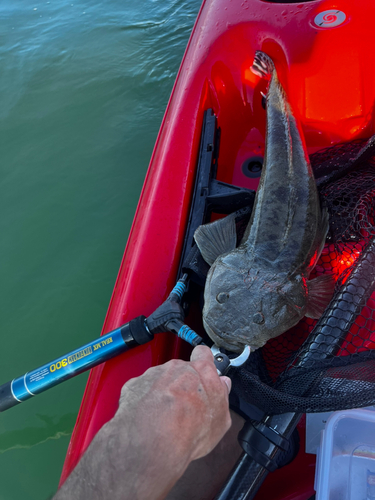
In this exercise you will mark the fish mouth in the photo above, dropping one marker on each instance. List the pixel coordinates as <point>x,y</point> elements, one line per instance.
<point>236,347</point>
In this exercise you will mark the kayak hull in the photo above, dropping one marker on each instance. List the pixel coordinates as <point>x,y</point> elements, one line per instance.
<point>331,92</point>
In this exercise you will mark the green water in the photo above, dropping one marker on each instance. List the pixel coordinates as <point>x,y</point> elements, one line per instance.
<point>83,87</point>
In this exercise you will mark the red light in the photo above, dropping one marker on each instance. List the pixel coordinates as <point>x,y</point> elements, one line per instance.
<point>347,259</point>
<point>336,259</point>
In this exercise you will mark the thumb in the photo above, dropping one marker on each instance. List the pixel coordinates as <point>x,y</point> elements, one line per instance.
<point>202,352</point>
<point>227,382</point>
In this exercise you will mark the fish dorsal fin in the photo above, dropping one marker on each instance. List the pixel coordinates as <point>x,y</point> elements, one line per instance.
<point>320,292</point>
<point>216,238</point>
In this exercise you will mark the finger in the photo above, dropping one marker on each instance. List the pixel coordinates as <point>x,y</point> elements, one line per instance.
<point>227,382</point>
<point>201,353</point>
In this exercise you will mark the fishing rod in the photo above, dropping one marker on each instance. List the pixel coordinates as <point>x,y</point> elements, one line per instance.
<point>168,317</point>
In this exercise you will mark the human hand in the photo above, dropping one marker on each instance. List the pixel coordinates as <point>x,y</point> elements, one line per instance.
<point>181,403</point>
<point>171,415</point>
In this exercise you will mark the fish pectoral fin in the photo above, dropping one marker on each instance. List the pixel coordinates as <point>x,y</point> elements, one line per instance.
<point>216,238</point>
<point>320,292</point>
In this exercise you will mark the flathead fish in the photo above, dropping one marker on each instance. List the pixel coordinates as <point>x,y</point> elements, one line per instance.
<point>260,289</point>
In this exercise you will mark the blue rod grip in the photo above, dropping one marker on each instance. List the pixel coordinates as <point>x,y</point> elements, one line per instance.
<point>75,362</point>
<point>68,366</point>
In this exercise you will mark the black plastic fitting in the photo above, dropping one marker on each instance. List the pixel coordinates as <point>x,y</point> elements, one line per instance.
<point>7,400</point>
<point>257,440</point>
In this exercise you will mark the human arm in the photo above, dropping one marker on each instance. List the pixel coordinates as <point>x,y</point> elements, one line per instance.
<point>171,415</point>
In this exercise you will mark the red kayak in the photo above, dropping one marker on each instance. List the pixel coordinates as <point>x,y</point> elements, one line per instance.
<point>323,53</point>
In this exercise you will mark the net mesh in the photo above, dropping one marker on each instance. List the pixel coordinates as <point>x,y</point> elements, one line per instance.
<point>328,364</point>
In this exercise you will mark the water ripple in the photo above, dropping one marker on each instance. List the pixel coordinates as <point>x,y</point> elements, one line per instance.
<point>84,86</point>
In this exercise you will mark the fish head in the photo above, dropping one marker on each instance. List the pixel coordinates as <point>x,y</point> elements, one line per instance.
<point>250,307</point>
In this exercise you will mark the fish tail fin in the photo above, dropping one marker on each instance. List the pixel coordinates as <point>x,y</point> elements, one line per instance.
<point>320,292</point>
<point>263,65</point>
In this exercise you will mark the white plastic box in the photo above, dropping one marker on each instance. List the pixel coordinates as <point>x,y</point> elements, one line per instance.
<point>346,458</point>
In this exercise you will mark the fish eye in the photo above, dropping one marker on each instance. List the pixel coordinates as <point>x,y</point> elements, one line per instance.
<point>222,297</point>
<point>258,318</point>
